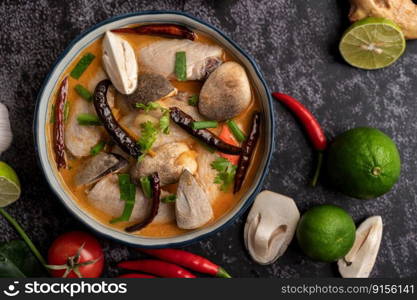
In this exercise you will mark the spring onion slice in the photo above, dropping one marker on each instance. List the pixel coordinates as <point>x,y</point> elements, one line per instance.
<point>88,119</point>
<point>52,118</point>
<point>169,199</point>
<point>97,148</point>
<point>82,65</point>
<point>83,92</point>
<point>145,183</point>
<point>127,194</point>
<point>236,131</point>
<point>204,124</point>
<point>181,66</point>
<point>193,100</point>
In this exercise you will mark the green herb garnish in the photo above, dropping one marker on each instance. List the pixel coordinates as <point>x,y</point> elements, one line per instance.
<point>149,106</point>
<point>82,65</point>
<point>145,183</point>
<point>97,148</point>
<point>127,194</point>
<point>83,92</point>
<point>149,134</point>
<point>204,124</point>
<point>181,66</point>
<point>88,120</point>
<point>52,118</point>
<point>237,133</point>
<point>169,199</point>
<point>164,122</point>
<point>193,100</point>
<point>225,172</point>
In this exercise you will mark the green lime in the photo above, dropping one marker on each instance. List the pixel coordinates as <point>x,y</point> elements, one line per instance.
<point>326,233</point>
<point>9,185</point>
<point>372,43</point>
<point>363,163</point>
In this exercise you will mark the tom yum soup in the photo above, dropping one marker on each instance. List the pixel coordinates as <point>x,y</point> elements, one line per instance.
<point>155,130</point>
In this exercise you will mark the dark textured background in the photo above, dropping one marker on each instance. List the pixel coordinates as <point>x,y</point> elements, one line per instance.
<point>295,44</point>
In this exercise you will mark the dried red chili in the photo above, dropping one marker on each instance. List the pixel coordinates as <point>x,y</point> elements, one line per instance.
<point>311,125</point>
<point>185,121</point>
<point>121,137</point>
<point>247,149</point>
<point>156,193</point>
<point>166,30</point>
<point>58,129</point>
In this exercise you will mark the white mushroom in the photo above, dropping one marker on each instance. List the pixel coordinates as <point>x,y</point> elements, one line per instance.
<point>360,260</point>
<point>6,135</point>
<point>120,63</point>
<point>270,226</point>
<point>226,92</point>
<point>192,207</point>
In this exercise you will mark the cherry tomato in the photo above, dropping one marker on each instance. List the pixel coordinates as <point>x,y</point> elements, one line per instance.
<point>76,254</point>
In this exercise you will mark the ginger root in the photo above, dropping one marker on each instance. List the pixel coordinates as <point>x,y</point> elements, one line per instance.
<point>402,12</point>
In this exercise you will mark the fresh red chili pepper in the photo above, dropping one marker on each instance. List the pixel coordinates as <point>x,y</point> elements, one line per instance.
<point>156,267</point>
<point>136,275</point>
<point>59,124</point>
<point>311,125</point>
<point>227,137</point>
<point>188,260</point>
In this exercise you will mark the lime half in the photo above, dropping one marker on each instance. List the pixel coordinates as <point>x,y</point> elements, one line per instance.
<point>9,185</point>
<point>372,43</point>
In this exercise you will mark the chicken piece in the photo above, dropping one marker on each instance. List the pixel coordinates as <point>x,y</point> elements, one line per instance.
<point>206,174</point>
<point>105,196</point>
<point>99,166</point>
<point>79,139</point>
<point>168,161</point>
<point>192,207</point>
<point>159,57</point>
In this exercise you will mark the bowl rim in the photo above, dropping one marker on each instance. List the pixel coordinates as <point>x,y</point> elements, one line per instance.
<point>271,136</point>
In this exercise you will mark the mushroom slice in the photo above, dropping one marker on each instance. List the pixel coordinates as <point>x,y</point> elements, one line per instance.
<point>120,63</point>
<point>270,226</point>
<point>99,166</point>
<point>226,93</point>
<point>151,87</point>
<point>360,260</point>
<point>192,207</point>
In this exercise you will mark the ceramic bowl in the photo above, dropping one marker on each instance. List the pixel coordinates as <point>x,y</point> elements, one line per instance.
<point>96,32</point>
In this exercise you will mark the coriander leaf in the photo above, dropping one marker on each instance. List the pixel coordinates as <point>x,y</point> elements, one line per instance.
<point>148,107</point>
<point>225,172</point>
<point>193,100</point>
<point>169,199</point>
<point>164,122</point>
<point>149,133</point>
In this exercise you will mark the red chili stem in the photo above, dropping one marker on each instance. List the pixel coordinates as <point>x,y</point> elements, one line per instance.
<point>167,30</point>
<point>59,145</point>
<point>188,260</point>
<point>156,267</point>
<point>136,275</point>
<point>310,123</point>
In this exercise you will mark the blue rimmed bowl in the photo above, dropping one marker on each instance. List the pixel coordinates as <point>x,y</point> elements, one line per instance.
<point>86,38</point>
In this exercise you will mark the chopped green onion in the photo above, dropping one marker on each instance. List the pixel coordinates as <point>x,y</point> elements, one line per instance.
<point>169,199</point>
<point>204,124</point>
<point>145,183</point>
<point>66,110</point>
<point>52,118</point>
<point>82,65</point>
<point>97,148</point>
<point>193,100</point>
<point>88,119</point>
<point>127,194</point>
<point>83,92</point>
<point>164,122</point>
<point>237,133</point>
<point>181,66</point>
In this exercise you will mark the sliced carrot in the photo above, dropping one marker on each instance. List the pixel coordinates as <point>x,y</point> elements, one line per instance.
<point>227,136</point>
